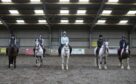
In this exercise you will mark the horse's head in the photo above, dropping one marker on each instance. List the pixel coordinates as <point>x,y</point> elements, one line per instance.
<point>127,49</point>
<point>105,47</point>
<point>106,44</point>
<point>66,47</point>
<point>37,45</point>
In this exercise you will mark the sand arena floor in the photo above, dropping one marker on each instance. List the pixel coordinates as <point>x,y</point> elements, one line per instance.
<point>82,70</point>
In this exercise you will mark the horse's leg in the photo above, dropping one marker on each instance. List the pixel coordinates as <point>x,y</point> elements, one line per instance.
<point>100,62</point>
<point>9,61</point>
<point>121,63</point>
<point>43,52</point>
<point>14,59</point>
<point>36,60</point>
<point>67,61</point>
<point>128,66</point>
<point>62,64</point>
<point>97,60</point>
<point>105,62</point>
<point>41,60</point>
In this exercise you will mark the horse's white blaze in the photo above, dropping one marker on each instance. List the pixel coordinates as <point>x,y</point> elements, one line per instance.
<point>65,53</point>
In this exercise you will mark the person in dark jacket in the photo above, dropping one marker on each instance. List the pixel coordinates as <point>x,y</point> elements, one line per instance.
<point>41,41</point>
<point>122,44</point>
<point>99,43</point>
<point>12,41</point>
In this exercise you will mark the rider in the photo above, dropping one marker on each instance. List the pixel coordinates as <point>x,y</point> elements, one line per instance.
<point>12,41</point>
<point>64,40</point>
<point>99,43</point>
<point>123,44</point>
<point>41,41</point>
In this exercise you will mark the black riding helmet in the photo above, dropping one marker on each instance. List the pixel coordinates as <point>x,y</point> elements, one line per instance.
<point>123,37</point>
<point>100,36</point>
<point>12,36</point>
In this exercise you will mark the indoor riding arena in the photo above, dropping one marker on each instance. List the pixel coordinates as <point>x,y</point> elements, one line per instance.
<point>67,41</point>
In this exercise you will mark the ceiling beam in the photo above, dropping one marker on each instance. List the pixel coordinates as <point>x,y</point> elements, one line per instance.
<point>70,3</point>
<point>10,24</point>
<point>61,15</point>
<point>6,25</point>
<point>97,15</point>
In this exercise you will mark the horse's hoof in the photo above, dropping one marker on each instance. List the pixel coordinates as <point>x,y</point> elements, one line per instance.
<point>62,68</point>
<point>105,67</point>
<point>128,67</point>
<point>11,65</point>
<point>100,67</point>
<point>122,67</point>
<point>66,68</point>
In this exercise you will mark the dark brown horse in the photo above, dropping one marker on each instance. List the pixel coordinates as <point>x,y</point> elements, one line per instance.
<point>12,53</point>
<point>125,54</point>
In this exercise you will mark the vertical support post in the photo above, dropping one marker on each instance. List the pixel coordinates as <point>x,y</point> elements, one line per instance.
<point>90,38</point>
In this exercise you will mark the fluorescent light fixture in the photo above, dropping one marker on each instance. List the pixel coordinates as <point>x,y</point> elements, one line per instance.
<point>64,0</point>
<point>64,21</point>
<point>81,11</point>
<point>20,21</point>
<point>106,11</point>
<point>42,21</point>
<point>101,21</point>
<point>64,11</point>
<point>38,11</point>
<point>79,21</point>
<point>83,0</point>
<point>35,1</point>
<point>131,12</point>
<point>123,21</point>
<point>13,11</point>
<point>6,1</point>
<point>113,0</point>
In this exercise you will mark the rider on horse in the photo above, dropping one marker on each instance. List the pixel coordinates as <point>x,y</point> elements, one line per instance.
<point>123,45</point>
<point>64,40</point>
<point>12,41</point>
<point>99,43</point>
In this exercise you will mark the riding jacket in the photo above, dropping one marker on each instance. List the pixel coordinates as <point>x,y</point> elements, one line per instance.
<point>12,41</point>
<point>123,43</point>
<point>41,41</point>
<point>64,40</point>
<point>100,43</point>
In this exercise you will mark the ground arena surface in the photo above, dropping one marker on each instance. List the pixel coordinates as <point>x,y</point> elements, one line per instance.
<point>82,70</point>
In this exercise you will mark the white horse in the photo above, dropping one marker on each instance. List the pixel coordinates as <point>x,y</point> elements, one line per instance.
<point>124,54</point>
<point>38,52</point>
<point>65,54</point>
<point>102,55</point>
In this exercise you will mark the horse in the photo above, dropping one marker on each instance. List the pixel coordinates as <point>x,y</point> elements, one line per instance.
<point>12,53</point>
<point>124,54</point>
<point>101,56</point>
<point>65,54</point>
<point>38,53</point>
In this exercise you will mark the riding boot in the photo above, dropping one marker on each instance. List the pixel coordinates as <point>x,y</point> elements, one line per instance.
<point>97,51</point>
<point>70,49</point>
<point>59,50</point>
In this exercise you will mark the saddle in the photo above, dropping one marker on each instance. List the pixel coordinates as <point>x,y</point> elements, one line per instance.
<point>124,54</point>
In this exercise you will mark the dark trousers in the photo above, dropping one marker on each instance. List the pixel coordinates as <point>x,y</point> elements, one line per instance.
<point>60,47</point>
<point>12,45</point>
<point>97,50</point>
<point>119,51</point>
